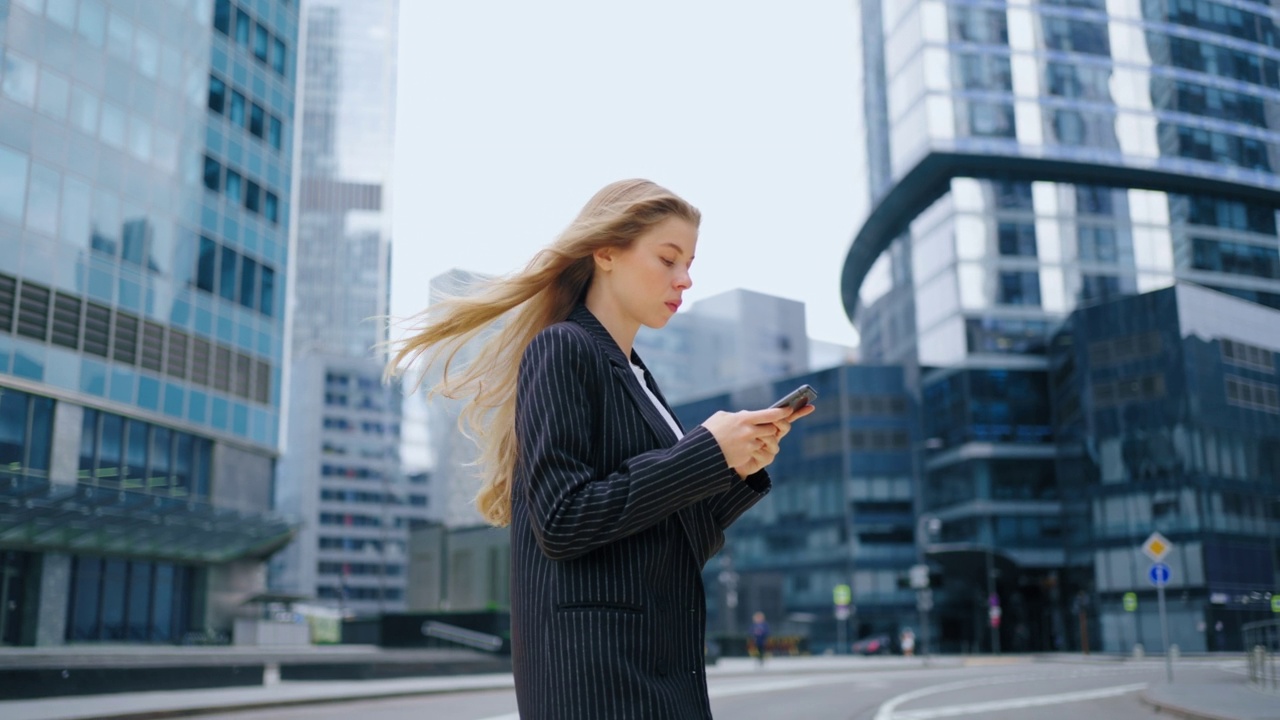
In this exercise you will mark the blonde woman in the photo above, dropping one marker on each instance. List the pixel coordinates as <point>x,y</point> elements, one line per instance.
<point>614,507</point>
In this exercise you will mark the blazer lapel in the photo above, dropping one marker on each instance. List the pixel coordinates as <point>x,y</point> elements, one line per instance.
<point>695,532</point>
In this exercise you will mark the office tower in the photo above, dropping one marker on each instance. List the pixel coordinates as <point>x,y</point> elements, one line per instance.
<point>341,470</point>
<point>1026,159</point>
<point>840,513</point>
<point>144,185</point>
<point>1168,420</point>
<point>724,341</point>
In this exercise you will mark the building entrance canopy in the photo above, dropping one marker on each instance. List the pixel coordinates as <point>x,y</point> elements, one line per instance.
<point>38,515</point>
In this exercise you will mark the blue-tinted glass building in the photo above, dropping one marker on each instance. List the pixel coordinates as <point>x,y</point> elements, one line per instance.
<point>1167,420</point>
<point>841,512</point>
<point>145,189</point>
<point>1025,159</point>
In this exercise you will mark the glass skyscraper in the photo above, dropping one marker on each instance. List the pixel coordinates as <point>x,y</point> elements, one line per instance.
<point>1025,159</point>
<point>341,471</point>
<point>144,203</point>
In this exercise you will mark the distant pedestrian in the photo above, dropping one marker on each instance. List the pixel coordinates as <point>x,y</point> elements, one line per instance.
<point>614,507</point>
<point>759,635</point>
<point>908,642</point>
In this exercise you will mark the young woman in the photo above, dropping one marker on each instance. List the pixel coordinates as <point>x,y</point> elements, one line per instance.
<point>614,507</point>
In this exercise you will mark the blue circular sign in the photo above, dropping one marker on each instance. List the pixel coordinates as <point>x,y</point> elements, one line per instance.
<point>1159,574</point>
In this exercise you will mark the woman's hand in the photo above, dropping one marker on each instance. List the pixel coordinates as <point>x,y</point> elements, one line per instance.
<point>768,446</point>
<point>742,435</point>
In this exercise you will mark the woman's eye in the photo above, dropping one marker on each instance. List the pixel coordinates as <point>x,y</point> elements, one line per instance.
<point>667,262</point>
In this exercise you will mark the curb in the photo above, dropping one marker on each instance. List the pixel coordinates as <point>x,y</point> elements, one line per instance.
<point>1179,711</point>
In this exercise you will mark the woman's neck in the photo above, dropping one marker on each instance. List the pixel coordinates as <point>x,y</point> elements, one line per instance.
<point>621,328</point>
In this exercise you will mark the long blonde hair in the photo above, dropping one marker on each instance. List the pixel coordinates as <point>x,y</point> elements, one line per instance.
<point>542,294</point>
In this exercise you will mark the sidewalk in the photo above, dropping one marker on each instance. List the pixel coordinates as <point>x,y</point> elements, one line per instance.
<point>1230,699</point>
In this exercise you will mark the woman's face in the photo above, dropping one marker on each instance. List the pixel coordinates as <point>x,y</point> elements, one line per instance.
<point>648,279</point>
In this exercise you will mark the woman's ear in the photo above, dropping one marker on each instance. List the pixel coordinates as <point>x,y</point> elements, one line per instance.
<point>604,258</point>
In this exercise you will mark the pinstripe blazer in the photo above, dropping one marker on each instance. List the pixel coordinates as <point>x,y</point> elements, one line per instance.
<point>612,521</point>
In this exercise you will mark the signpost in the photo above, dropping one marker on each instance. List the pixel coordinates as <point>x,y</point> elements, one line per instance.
<point>841,595</point>
<point>1130,601</point>
<point>1157,547</point>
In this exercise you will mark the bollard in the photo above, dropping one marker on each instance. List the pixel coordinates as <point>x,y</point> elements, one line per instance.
<point>271,674</point>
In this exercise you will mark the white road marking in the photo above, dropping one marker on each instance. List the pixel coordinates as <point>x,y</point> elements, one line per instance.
<point>1018,703</point>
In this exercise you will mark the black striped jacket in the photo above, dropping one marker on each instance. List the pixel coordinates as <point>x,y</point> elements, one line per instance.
<point>612,521</point>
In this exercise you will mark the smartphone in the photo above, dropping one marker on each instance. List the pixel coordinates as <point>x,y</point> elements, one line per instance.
<point>797,398</point>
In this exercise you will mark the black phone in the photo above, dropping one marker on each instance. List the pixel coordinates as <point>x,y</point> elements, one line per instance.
<point>797,398</point>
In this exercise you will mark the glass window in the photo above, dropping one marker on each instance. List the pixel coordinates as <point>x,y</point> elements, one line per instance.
<point>990,119</point>
<point>84,110</point>
<point>248,281</point>
<point>267,298</point>
<point>242,27</point>
<point>1212,146</point>
<point>278,53</point>
<point>135,231</point>
<point>13,184</point>
<point>227,274</point>
<point>1098,288</point>
<point>271,207</point>
<point>62,12</point>
<point>212,174</point>
<point>160,460</point>
<point>252,196</point>
<point>86,580</point>
<point>180,483</point>
<point>140,138</point>
<point>235,186</point>
<point>42,199</point>
<point>13,428</point>
<point>275,132</point>
<point>19,79</point>
<point>136,456</point>
<point>200,467</point>
<point>113,592</point>
<point>162,603</point>
<point>237,108</point>
<point>1074,35</point>
<point>1019,288</point>
<point>54,90</point>
<point>1235,258</point>
<point>1017,239</point>
<point>1094,200</point>
<point>108,471</point>
<point>92,23</point>
<point>119,37</point>
<point>261,42</point>
<point>139,622</point>
<point>205,266</point>
<point>217,94</point>
<point>257,120</point>
<point>222,16</point>
<point>978,25</point>
<point>147,53</point>
<point>1097,244</point>
<point>1214,212</point>
<point>982,71</point>
<point>88,444</point>
<point>112,127</point>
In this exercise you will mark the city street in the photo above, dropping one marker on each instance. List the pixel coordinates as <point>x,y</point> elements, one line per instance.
<point>1018,691</point>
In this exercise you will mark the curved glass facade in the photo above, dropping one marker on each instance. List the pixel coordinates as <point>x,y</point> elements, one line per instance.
<point>1140,104</point>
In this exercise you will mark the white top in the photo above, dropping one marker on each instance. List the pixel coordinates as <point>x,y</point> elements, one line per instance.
<point>639,371</point>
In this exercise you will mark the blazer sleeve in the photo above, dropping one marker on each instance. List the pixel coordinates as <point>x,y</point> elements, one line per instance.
<point>728,506</point>
<point>574,507</point>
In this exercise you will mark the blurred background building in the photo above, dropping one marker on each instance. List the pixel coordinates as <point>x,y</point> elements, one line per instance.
<point>341,471</point>
<point>144,201</point>
<point>1026,160</point>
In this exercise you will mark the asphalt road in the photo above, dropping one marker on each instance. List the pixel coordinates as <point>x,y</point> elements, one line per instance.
<point>1023,691</point>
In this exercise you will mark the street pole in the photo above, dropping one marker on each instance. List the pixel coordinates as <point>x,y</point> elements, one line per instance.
<point>1164,634</point>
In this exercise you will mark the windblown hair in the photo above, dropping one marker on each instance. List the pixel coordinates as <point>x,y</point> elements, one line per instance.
<point>542,294</point>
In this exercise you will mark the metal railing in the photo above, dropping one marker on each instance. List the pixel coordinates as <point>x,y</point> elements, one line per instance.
<point>1262,648</point>
<point>462,636</point>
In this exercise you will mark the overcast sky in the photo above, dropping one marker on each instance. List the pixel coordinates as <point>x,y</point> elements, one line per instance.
<point>511,114</point>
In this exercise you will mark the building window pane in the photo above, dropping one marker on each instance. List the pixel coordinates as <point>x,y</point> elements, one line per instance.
<point>261,41</point>
<point>267,299</point>
<point>88,443</point>
<point>13,184</point>
<point>242,27</point>
<point>139,622</point>
<point>113,591</point>
<point>212,174</point>
<point>237,108</point>
<point>136,455</point>
<point>222,16</point>
<point>257,119</point>
<point>271,207</point>
<point>277,55</point>
<point>275,132</point>
<point>235,189</point>
<point>86,581</point>
<point>252,196</point>
<point>217,94</point>
<point>248,279</point>
<point>205,264</point>
<point>162,603</point>
<point>227,274</point>
<point>84,110</point>
<point>19,79</point>
<point>52,97</point>
<point>108,471</point>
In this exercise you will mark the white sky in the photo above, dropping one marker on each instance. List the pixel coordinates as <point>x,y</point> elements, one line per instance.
<point>511,114</point>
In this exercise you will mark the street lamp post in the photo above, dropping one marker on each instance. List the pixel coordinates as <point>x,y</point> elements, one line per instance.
<point>920,580</point>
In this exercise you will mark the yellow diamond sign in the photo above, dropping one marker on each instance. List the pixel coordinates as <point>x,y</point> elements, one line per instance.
<point>1156,547</point>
